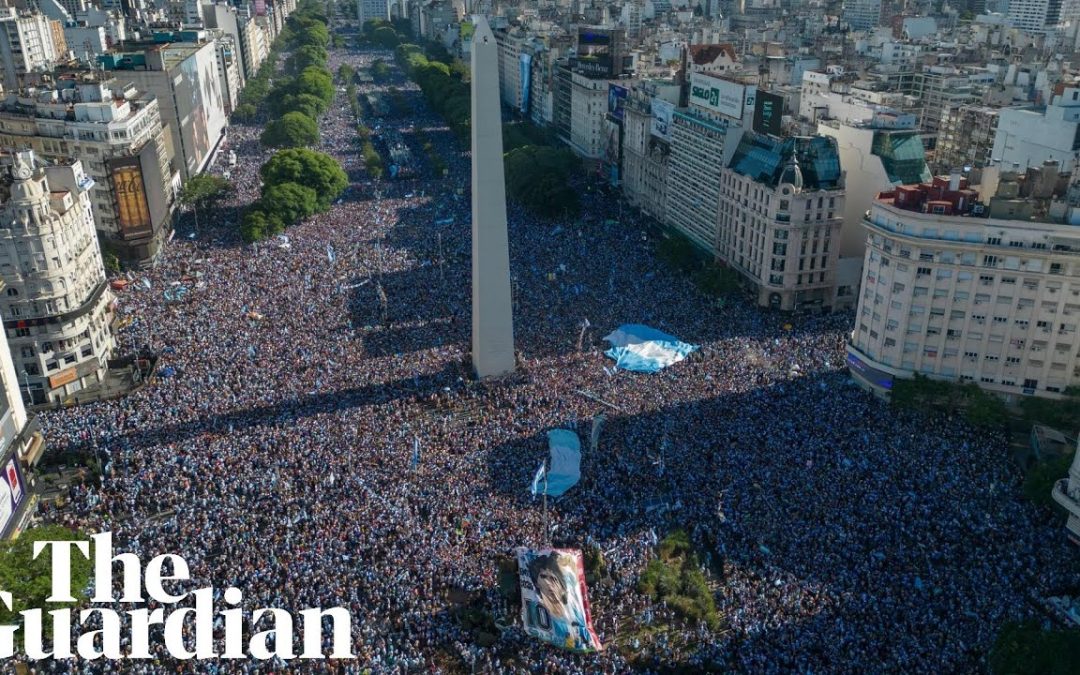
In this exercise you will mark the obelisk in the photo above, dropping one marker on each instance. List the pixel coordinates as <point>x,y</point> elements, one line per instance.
<point>492,310</point>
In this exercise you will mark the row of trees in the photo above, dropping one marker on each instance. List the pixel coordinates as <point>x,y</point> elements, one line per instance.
<point>305,89</point>
<point>297,183</point>
<point>444,89</point>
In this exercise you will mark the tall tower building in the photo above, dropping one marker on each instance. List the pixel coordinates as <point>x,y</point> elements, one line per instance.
<point>492,308</point>
<point>369,10</point>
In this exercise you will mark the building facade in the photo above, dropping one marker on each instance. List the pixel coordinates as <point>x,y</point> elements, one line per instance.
<point>966,138</point>
<point>973,285</point>
<point>781,210</point>
<point>117,131</point>
<point>183,76</point>
<point>26,45</point>
<point>56,304</point>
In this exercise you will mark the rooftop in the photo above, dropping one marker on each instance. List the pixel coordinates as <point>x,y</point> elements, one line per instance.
<point>1039,195</point>
<point>764,159</point>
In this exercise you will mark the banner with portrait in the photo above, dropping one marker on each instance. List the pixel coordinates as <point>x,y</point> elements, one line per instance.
<point>554,599</point>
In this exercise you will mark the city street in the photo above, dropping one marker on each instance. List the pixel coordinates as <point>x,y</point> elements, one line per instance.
<point>306,369</point>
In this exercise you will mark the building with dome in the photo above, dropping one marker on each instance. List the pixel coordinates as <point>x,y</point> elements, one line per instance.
<point>56,304</point>
<point>781,209</point>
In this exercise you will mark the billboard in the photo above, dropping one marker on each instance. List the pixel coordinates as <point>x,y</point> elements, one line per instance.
<point>132,208</point>
<point>200,107</point>
<point>720,96</point>
<point>525,63</point>
<point>616,99</point>
<point>554,599</point>
<point>662,112</point>
<point>768,113</point>
<point>260,7</point>
<point>12,492</point>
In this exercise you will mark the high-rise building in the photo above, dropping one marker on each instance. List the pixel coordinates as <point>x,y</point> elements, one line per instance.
<point>26,45</point>
<point>369,10</point>
<point>719,109</point>
<point>861,14</point>
<point>1041,16</point>
<point>183,75</point>
<point>56,300</point>
<point>1029,135</point>
<point>118,130</point>
<point>972,284</point>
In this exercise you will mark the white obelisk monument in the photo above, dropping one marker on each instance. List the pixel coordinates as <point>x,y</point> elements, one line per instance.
<point>492,310</point>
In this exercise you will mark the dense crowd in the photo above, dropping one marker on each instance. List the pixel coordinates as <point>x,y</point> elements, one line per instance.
<point>841,535</point>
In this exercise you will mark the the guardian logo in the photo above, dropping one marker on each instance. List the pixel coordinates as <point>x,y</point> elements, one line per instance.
<point>187,632</point>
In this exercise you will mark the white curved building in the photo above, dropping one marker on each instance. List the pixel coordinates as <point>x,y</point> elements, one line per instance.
<point>56,304</point>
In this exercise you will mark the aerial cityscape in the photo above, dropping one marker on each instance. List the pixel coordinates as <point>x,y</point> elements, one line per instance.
<point>549,336</point>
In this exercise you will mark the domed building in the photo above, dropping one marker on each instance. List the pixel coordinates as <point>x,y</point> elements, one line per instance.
<point>56,303</point>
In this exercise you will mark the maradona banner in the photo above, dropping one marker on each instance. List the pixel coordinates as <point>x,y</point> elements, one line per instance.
<point>554,600</point>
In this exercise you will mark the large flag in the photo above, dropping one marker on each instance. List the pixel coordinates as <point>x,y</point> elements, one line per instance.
<point>538,481</point>
<point>565,469</point>
<point>644,349</point>
<point>554,599</point>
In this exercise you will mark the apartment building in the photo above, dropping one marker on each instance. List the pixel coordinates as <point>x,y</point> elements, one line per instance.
<point>183,76</point>
<point>781,210</point>
<point>56,304</point>
<point>703,138</point>
<point>26,45</point>
<point>974,284</point>
<point>966,137</point>
<point>646,146</point>
<point>117,131</point>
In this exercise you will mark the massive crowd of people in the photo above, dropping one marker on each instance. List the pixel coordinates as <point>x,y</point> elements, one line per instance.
<point>281,457</point>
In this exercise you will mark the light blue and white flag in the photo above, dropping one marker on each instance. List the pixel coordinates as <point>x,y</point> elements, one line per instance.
<point>330,253</point>
<point>415,453</point>
<point>538,480</point>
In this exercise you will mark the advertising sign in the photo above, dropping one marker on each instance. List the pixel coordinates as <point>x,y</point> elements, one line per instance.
<point>721,96</point>
<point>662,112</point>
<point>554,599</point>
<point>260,7</point>
<point>11,492</point>
<point>132,209</point>
<point>616,99</point>
<point>873,375</point>
<point>768,113</point>
<point>525,63</point>
<point>66,376</point>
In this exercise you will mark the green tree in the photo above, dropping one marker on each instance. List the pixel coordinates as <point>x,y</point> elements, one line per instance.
<point>245,112</point>
<point>204,189</point>
<point>259,224</point>
<point>1027,649</point>
<point>293,130</point>
<point>290,202</point>
<point>320,172</point>
<point>28,580</point>
<point>346,73</point>
<point>306,56</point>
<point>310,32</point>
<point>317,82</point>
<point>385,37</point>
<point>537,177</point>
<point>312,106</point>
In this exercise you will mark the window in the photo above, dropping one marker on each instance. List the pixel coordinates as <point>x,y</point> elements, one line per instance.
<point>923,271</point>
<point>990,261</point>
